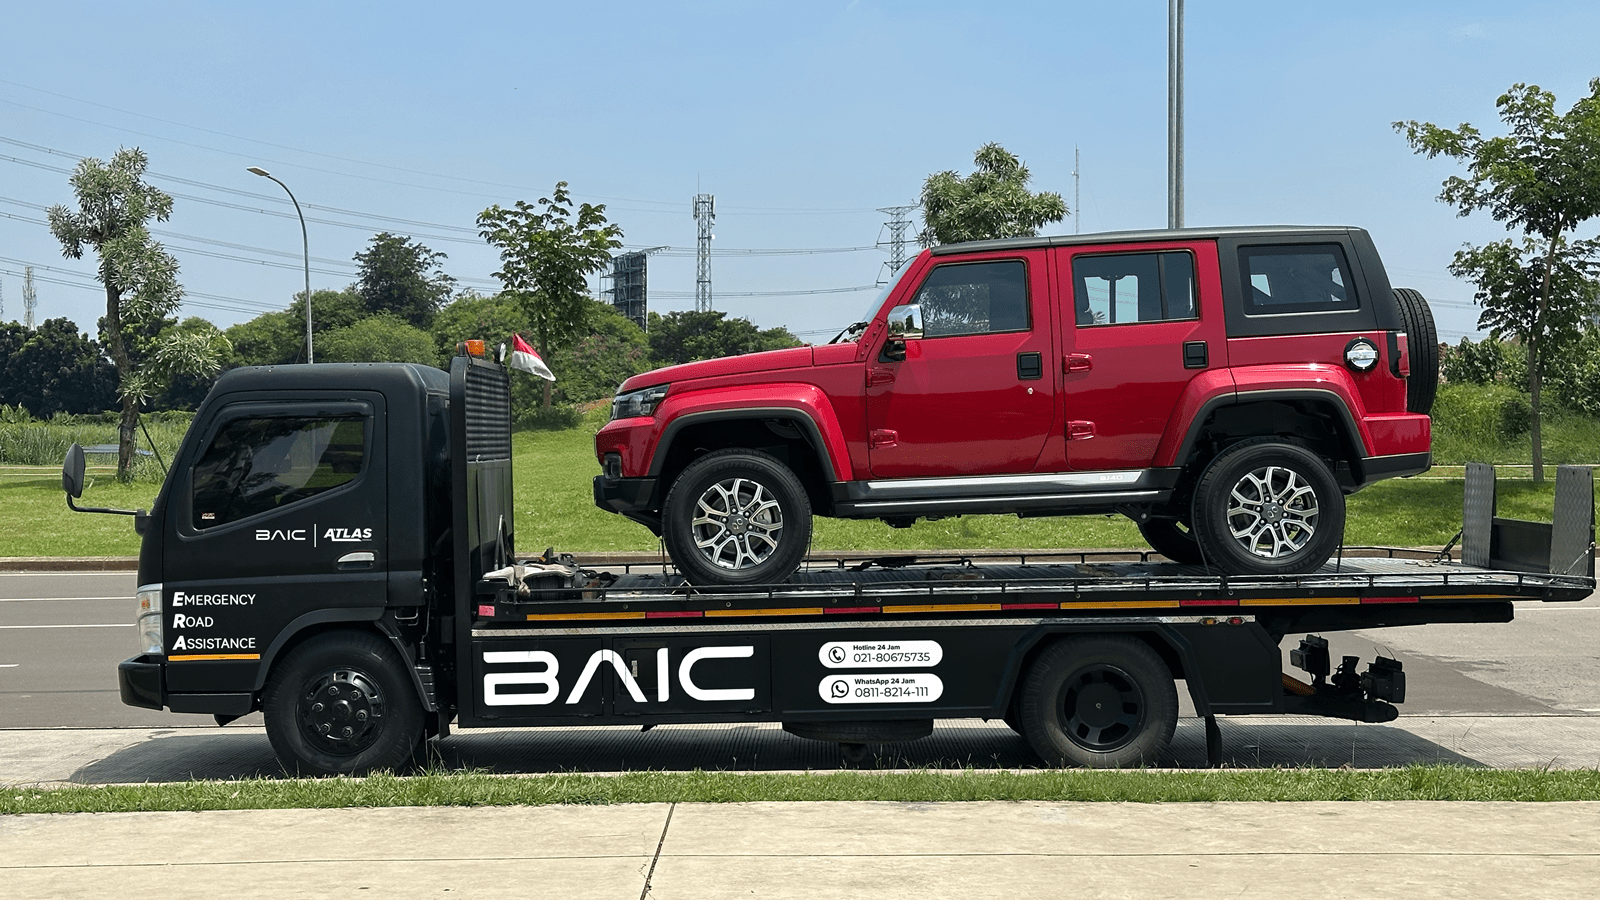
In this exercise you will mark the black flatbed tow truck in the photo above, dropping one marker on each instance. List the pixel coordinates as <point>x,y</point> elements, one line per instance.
<point>332,547</point>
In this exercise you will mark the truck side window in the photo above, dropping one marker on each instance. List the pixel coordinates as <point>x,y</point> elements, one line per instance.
<point>1298,278</point>
<point>1133,287</point>
<point>256,465</point>
<point>975,298</point>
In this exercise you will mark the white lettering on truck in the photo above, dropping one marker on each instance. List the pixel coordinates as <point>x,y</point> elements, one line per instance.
<point>545,677</point>
<point>179,598</point>
<point>185,642</point>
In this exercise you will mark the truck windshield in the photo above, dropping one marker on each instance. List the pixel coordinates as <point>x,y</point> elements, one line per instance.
<point>854,329</point>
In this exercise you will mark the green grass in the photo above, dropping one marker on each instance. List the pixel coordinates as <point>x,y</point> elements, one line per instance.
<point>555,507</point>
<point>478,789</point>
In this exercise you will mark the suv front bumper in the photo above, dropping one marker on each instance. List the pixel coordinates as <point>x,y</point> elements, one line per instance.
<point>634,498</point>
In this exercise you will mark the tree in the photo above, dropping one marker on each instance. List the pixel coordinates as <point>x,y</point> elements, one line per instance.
<point>381,338</point>
<point>57,369</point>
<point>992,202</point>
<point>279,338</point>
<point>1541,178</point>
<point>680,337</point>
<point>614,350</point>
<point>140,279</point>
<point>545,257</point>
<point>404,278</point>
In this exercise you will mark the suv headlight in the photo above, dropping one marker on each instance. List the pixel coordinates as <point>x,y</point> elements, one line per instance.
<point>642,402</point>
<point>150,636</point>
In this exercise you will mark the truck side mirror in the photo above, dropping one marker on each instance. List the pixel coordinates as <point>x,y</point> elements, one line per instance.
<point>72,472</point>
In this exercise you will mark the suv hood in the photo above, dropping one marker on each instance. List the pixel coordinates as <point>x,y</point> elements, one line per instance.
<point>791,358</point>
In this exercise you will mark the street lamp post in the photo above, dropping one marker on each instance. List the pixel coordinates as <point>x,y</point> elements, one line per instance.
<point>305,243</point>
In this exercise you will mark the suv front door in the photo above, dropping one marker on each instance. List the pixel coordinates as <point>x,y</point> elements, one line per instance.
<point>975,393</point>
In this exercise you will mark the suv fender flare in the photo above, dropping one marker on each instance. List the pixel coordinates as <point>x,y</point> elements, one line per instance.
<point>1336,391</point>
<point>803,405</point>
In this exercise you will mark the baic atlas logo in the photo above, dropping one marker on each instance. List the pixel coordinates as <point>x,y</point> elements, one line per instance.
<point>334,535</point>
<point>547,685</point>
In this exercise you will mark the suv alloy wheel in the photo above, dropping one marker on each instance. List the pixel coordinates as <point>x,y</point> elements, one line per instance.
<point>736,517</point>
<point>1264,507</point>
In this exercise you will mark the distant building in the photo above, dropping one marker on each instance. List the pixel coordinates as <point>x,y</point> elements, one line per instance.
<point>628,286</point>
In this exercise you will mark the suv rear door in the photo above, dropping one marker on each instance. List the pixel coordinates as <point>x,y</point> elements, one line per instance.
<point>1138,323</point>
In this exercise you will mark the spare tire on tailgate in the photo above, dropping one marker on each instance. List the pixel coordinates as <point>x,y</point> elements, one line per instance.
<point>1417,320</point>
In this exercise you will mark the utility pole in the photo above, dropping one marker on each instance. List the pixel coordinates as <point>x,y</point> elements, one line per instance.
<point>1077,193</point>
<point>1174,113</point>
<point>704,214</point>
<point>899,221</point>
<point>30,298</point>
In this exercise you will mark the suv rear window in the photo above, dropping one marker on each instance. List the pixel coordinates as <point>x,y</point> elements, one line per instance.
<point>255,465</point>
<point>974,298</point>
<point>1302,278</point>
<point>1133,287</point>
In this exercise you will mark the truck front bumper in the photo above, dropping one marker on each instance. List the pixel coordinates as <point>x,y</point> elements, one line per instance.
<point>140,682</point>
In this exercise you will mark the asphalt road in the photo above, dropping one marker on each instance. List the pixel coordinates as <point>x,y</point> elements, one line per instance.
<point>62,635</point>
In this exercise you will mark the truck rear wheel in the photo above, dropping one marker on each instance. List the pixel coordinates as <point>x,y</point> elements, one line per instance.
<point>1264,507</point>
<point>737,517</point>
<point>1105,701</point>
<point>342,704</point>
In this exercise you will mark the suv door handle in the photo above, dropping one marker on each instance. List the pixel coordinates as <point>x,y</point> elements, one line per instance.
<point>1077,362</point>
<point>878,375</point>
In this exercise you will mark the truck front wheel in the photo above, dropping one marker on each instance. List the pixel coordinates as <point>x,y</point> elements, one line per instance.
<point>1104,701</point>
<point>342,704</point>
<point>737,517</point>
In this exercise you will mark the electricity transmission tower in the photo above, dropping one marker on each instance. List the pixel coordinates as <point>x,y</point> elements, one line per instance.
<point>30,298</point>
<point>899,221</point>
<point>704,215</point>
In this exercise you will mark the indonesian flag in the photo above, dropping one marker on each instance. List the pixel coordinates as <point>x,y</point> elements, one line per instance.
<point>523,357</point>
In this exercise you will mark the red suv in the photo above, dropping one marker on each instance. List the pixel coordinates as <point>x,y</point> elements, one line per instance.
<point>1223,388</point>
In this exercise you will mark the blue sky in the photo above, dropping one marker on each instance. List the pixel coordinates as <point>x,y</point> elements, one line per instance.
<point>802,119</point>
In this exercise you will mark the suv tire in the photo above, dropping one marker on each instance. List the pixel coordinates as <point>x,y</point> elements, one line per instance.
<point>736,517</point>
<point>1422,339</point>
<point>1173,539</point>
<point>1264,507</point>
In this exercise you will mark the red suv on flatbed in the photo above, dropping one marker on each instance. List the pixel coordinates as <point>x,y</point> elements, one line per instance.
<point>1223,388</point>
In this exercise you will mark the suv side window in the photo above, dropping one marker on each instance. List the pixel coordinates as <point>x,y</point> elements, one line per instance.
<point>256,465</point>
<point>1133,287</point>
<point>974,298</point>
<point>1299,278</point>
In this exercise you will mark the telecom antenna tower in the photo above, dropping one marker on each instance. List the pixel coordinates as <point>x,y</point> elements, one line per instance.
<point>704,214</point>
<point>1077,192</point>
<point>899,221</point>
<point>30,298</point>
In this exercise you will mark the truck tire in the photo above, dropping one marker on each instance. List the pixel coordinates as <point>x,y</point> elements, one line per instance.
<point>342,703</point>
<point>1423,341</point>
<point>1102,701</point>
<point>736,517</point>
<point>1173,539</point>
<point>1264,507</point>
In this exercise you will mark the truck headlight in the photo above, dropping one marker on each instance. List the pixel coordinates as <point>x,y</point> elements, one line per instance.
<point>150,635</point>
<point>642,402</point>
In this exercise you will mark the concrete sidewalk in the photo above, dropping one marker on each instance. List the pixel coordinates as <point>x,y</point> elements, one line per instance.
<point>818,851</point>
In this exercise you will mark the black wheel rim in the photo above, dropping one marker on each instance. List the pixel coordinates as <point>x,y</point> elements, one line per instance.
<point>340,711</point>
<point>1102,708</point>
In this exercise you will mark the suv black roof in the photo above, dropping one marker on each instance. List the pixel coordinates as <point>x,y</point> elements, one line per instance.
<point>1155,234</point>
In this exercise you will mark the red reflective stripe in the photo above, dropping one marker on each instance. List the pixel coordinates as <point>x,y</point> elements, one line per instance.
<point>847,610</point>
<point>1390,599</point>
<point>1030,606</point>
<point>688,614</point>
<point>1208,603</point>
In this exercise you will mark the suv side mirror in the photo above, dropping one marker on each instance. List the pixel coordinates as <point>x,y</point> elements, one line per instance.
<point>905,322</point>
<point>72,472</point>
